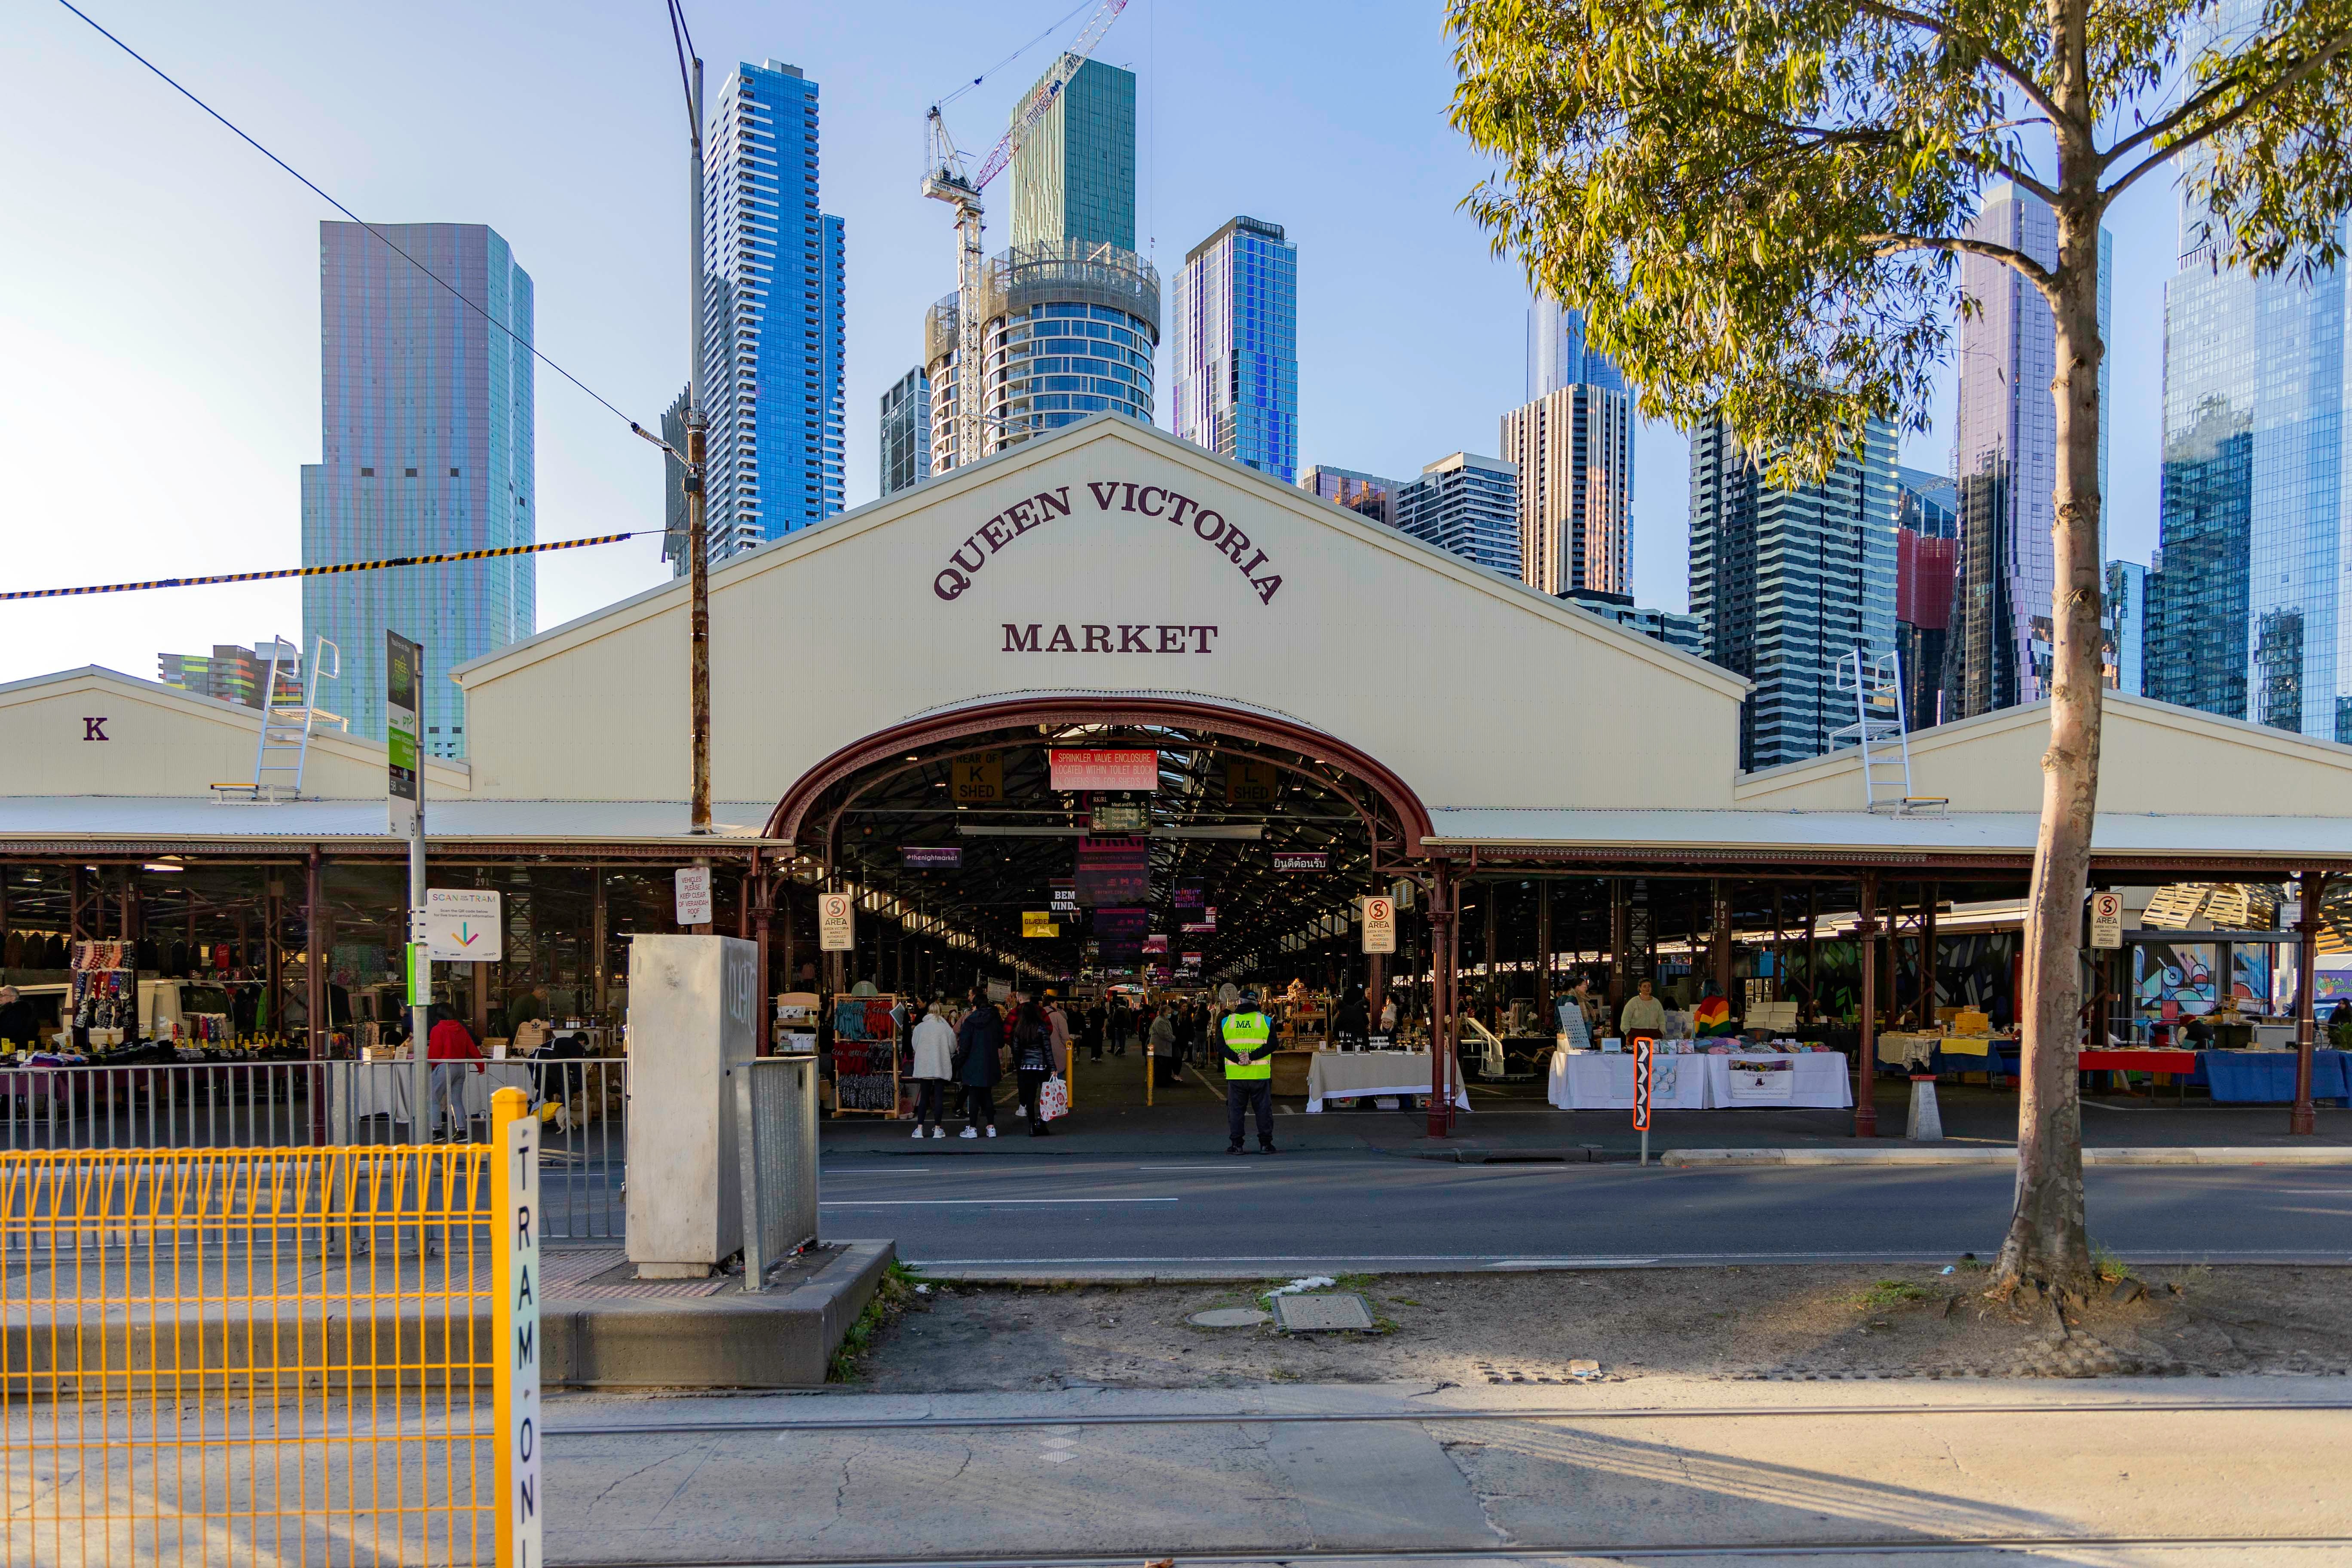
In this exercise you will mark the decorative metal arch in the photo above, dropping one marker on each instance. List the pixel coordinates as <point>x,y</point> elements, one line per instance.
<point>1167,712</point>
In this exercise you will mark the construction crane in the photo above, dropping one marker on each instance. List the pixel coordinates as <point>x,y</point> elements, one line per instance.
<point>947,177</point>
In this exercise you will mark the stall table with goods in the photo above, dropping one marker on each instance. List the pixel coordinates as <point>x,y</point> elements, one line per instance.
<point>1356,1075</point>
<point>1700,1075</point>
<point>360,1090</point>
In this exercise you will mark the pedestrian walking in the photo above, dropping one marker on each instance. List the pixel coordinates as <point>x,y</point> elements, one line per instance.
<point>1245,1039</point>
<point>450,1045</point>
<point>1163,1046</point>
<point>934,1045</point>
<point>1033,1060</point>
<point>979,1064</point>
<point>1092,1037</point>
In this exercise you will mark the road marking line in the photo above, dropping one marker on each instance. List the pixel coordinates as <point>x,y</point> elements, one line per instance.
<point>992,1203</point>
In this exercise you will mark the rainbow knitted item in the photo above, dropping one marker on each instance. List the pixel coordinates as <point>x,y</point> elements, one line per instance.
<point>1712,1016</point>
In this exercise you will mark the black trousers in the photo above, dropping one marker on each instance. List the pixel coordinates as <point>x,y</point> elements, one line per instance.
<point>979,1104</point>
<point>1030,1082</point>
<point>930,1101</point>
<point>1239,1099</point>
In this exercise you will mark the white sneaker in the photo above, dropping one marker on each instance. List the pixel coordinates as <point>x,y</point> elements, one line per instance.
<point>938,1132</point>
<point>968,1132</point>
<point>992,1130</point>
<point>919,1131</point>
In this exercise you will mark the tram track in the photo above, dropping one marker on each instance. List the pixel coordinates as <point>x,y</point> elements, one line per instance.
<point>717,1427</point>
<point>1600,1551</point>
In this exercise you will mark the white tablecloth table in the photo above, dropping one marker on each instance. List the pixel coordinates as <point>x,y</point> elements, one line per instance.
<point>362,1090</point>
<point>1813,1079</point>
<point>1347,1075</point>
<point>1604,1080</point>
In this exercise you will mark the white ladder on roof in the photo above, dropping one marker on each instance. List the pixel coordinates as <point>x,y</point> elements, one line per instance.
<point>289,714</point>
<point>1881,730</point>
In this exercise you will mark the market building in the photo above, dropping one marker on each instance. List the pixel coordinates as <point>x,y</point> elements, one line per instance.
<point>1331,708</point>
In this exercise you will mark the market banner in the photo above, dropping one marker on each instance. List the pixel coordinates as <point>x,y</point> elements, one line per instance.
<point>1114,869</point>
<point>1192,895</point>
<point>1302,859</point>
<point>1156,942</point>
<point>1121,932</point>
<point>1204,926</point>
<point>1038,923</point>
<point>925,857</point>
<point>1080,769</point>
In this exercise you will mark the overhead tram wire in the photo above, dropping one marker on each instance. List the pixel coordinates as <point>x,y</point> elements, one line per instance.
<point>454,292</point>
<point>323,571</point>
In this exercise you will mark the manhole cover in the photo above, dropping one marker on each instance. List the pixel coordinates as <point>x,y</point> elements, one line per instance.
<point>1229,1318</point>
<point>1313,1314</point>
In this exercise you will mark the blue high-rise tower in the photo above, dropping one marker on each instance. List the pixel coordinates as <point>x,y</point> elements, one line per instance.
<point>773,317</point>
<point>1236,388</point>
<point>425,447</point>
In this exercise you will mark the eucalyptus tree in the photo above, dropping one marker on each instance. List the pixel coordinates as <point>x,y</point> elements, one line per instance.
<point>1761,207</point>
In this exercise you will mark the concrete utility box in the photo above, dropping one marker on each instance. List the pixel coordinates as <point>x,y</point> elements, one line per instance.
<point>693,1012</point>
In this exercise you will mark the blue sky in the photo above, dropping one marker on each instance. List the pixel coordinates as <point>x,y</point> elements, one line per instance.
<point>159,350</point>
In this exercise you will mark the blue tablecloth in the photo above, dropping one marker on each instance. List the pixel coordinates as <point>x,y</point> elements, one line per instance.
<point>2267,1077</point>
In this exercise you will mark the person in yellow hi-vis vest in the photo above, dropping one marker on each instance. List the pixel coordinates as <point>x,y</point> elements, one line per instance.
<point>1246,1037</point>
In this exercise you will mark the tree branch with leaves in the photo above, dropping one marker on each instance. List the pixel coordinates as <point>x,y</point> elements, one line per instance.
<point>1760,205</point>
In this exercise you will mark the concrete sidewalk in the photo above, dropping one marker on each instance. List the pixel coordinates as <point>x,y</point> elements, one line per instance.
<point>1651,1465</point>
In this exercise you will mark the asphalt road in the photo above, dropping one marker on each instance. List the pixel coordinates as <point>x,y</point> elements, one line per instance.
<point>1375,1212</point>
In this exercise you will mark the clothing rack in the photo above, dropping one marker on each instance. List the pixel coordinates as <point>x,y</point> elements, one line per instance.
<point>866,1025</point>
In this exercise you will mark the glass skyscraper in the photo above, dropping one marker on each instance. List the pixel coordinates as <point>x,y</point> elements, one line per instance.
<point>2246,604</point>
<point>1468,505</point>
<point>2005,461</point>
<point>1368,495</point>
<point>1789,579</point>
<point>1074,177</point>
<point>773,315</point>
<point>1572,442</point>
<point>425,447</point>
<point>1557,355</point>
<point>1236,379</point>
<point>905,427</point>
<point>1070,313</point>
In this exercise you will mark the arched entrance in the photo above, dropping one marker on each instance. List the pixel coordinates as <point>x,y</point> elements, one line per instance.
<point>1250,853</point>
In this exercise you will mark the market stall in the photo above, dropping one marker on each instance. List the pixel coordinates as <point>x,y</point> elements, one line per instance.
<point>1729,1080</point>
<point>360,1090</point>
<point>1353,1075</point>
<point>1604,1080</point>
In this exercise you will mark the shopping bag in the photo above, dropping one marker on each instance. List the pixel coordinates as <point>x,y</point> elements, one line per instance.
<point>1053,1099</point>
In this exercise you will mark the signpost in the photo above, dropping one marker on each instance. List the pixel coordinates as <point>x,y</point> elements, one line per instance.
<point>2108,919</point>
<point>462,925</point>
<point>693,895</point>
<point>1379,924</point>
<point>516,1286</point>
<point>835,924</point>
<point>403,680</point>
<point>1642,1045</point>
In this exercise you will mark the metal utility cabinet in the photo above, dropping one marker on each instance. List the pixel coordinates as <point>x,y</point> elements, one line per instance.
<point>693,1006</point>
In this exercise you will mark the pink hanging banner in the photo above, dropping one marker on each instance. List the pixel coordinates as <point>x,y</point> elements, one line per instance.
<point>1083,769</point>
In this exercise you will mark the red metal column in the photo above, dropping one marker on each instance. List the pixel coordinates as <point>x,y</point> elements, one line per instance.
<point>1443,955</point>
<point>2301,1121</point>
<point>761,1009</point>
<point>1865,1067</point>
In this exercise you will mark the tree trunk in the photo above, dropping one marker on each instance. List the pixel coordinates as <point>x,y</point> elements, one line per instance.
<point>2047,1239</point>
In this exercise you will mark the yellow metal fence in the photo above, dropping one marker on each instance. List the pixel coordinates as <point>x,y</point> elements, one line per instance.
<point>258,1356</point>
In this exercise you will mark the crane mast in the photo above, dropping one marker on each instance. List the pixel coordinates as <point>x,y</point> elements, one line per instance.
<point>945,179</point>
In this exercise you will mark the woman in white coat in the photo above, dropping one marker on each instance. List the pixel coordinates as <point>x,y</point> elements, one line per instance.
<point>934,1048</point>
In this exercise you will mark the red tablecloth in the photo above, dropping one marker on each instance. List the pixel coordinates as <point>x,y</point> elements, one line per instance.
<point>2139,1061</point>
